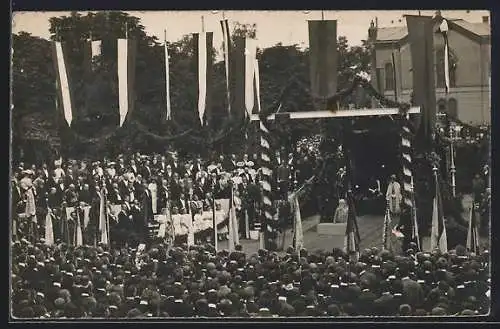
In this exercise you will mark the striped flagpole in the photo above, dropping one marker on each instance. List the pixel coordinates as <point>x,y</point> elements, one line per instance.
<point>267,174</point>
<point>444,30</point>
<point>438,231</point>
<point>167,77</point>
<point>415,234</point>
<point>472,234</point>
<point>226,41</point>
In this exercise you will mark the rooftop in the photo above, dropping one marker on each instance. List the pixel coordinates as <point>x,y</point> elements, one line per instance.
<point>397,33</point>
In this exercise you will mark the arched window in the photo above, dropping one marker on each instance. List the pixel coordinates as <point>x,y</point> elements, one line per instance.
<point>389,76</point>
<point>452,108</point>
<point>452,67</point>
<point>441,105</point>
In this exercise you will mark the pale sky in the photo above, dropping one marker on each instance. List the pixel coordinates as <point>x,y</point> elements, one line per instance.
<point>288,27</point>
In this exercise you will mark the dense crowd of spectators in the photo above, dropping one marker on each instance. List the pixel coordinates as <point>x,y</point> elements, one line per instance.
<point>66,282</point>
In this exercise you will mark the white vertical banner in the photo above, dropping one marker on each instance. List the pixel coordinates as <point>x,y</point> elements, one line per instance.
<point>257,83</point>
<point>123,79</point>
<point>250,50</point>
<point>64,84</point>
<point>202,74</point>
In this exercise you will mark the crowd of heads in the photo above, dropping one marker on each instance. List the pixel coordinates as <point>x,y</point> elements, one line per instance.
<point>57,282</point>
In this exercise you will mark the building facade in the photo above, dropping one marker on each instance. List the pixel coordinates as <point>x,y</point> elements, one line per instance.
<point>468,99</point>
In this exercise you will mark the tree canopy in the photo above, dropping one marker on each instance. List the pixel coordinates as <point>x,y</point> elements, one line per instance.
<point>96,99</point>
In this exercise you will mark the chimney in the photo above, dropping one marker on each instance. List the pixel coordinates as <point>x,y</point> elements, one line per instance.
<point>486,19</point>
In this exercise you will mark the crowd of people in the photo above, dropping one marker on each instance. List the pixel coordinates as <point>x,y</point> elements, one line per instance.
<point>143,186</point>
<point>67,282</point>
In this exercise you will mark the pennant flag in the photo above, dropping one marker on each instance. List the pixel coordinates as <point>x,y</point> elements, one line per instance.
<point>62,81</point>
<point>214,226</point>
<point>203,50</point>
<point>444,30</point>
<point>49,230</point>
<point>298,232</point>
<point>323,58</point>
<point>415,235</point>
<point>79,235</point>
<point>257,83</point>
<point>421,38</point>
<point>126,77</point>
<point>167,79</point>
<point>104,238</point>
<point>438,230</point>
<point>473,234</point>
<point>237,77</point>
<point>232,215</point>
<point>190,235</point>
<point>387,225</point>
<point>352,237</point>
<point>250,50</point>
<point>226,43</point>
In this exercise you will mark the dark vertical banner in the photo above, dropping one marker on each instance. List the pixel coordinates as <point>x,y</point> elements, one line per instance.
<point>237,77</point>
<point>203,45</point>
<point>226,42</point>
<point>420,34</point>
<point>323,58</point>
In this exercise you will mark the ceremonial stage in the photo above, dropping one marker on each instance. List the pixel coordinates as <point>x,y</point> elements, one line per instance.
<point>370,228</point>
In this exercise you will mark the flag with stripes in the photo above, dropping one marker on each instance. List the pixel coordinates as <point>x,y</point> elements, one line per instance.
<point>233,223</point>
<point>49,230</point>
<point>167,79</point>
<point>103,224</point>
<point>298,235</point>
<point>323,57</point>
<point>352,237</point>
<point>226,43</point>
<point>204,54</point>
<point>126,53</point>
<point>443,28</point>
<point>63,81</point>
<point>473,234</point>
<point>386,228</point>
<point>438,231</point>
<point>250,57</point>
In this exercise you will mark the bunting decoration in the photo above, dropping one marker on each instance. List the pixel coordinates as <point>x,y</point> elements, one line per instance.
<point>352,237</point>
<point>421,39</point>
<point>226,43</point>
<point>167,79</point>
<point>64,96</point>
<point>203,44</point>
<point>126,77</point>
<point>438,231</point>
<point>472,233</point>
<point>443,27</point>
<point>250,50</point>
<point>323,58</point>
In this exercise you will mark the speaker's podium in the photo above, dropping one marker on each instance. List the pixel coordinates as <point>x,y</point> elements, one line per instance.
<point>334,230</point>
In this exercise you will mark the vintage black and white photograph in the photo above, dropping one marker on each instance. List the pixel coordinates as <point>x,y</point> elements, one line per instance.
<point>250,164</point>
